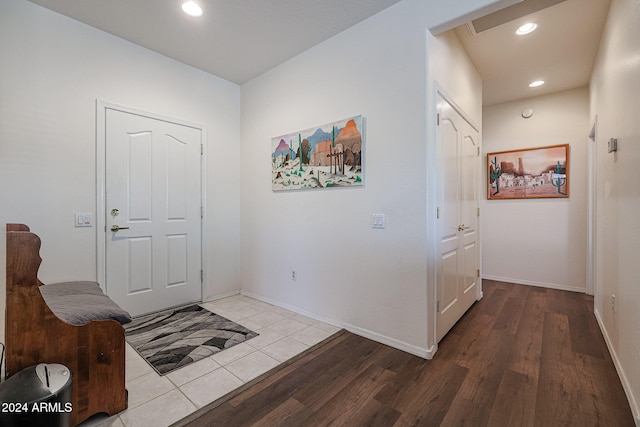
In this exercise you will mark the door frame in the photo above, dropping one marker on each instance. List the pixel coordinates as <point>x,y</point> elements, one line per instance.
<point>591,207</point>
<point>101,214</point>
<point>432,213</point>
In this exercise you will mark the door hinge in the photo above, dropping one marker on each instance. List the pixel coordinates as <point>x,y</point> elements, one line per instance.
<point>201,212</point>
<point>438,213</point>
<point>201,149</point>
<point>478,151</point>
<point>478,214</point>
<point>438,306</point>
<point>478,273</point>
<point>201,276</point>
<point>438,119</point>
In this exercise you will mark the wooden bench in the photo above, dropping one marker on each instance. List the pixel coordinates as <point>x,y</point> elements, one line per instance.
<point>94,351</point>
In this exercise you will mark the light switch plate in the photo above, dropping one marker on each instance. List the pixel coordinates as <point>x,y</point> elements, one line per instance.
<point>84,220</point>
<point>378,221</point>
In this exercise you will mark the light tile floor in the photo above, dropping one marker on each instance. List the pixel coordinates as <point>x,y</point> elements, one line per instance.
<point>156,401</point>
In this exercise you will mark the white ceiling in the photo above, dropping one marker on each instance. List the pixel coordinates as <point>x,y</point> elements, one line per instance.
<point>561,51</point>
<point>238,40</point>
<point>234,39</point>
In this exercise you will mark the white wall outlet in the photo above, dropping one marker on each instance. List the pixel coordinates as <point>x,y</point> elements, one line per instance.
<point>294,275</point>
<point>613,302</point>
<point>84,220</point>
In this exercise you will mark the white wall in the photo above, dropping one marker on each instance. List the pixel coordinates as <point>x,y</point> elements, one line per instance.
<point>52,71</point>
<point>615,100</point>
<point>372,281</point>
<point>538,241</point>
<point>451,69</point>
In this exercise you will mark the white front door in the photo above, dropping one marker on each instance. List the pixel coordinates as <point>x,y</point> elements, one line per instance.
<point>458,254</point>
<point>153,212</point>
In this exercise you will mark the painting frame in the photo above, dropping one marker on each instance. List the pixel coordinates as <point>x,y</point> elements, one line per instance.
<point>325,156</point>
<point>529,173</point>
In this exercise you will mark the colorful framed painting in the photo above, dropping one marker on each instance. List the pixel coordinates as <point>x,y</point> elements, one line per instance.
<point>529,173</point>
<point>320,157</point>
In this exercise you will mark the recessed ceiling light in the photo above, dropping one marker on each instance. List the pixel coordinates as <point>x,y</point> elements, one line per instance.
<point>536,83</point>
<point>526,28</point>
<point>192,8</point>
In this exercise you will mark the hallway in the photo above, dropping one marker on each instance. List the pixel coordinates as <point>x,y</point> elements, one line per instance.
<point>522,356</point>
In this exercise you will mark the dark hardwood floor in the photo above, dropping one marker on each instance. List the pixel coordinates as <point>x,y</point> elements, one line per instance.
<point>522,356</point>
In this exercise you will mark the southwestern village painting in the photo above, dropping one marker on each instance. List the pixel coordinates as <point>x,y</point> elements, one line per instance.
<point>529,173</point>
<point>320,157</point>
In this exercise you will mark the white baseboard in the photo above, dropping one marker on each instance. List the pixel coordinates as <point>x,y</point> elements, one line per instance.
<point>220,296</point>
<point>382,339</point>
<point>532,283</point>
<point>635,409</point>
<point>391,342</point>
<point>292,308</point>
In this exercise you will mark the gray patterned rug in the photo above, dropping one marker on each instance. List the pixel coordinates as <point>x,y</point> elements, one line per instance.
<point>175,338</point>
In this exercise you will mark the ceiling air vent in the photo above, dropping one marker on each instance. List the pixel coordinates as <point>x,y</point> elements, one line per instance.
<point>508,14</point>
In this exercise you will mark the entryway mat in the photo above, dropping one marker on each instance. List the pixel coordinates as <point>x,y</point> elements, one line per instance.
<point>175,338</point>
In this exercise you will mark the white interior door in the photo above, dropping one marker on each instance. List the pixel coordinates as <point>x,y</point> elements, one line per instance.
<point>458,255</point>
<point>153,212</point>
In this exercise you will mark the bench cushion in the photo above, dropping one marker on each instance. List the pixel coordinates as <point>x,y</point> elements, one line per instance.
<point>78,303</point>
